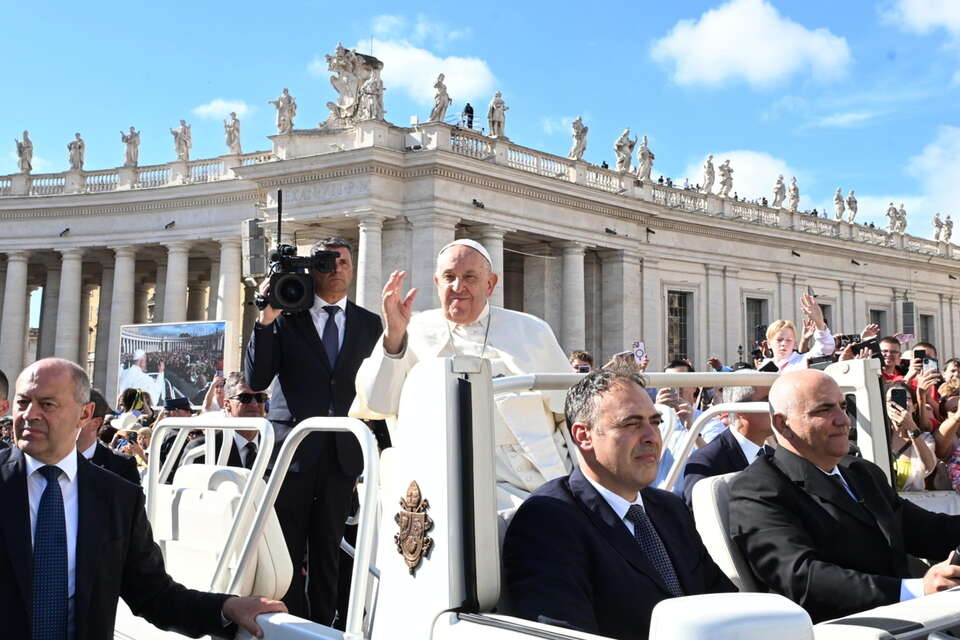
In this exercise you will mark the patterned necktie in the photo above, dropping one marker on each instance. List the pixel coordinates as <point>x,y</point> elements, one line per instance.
<point>250,455</point>
<point>49,621</point>
<point>331,337</point>
<point>652,545</point>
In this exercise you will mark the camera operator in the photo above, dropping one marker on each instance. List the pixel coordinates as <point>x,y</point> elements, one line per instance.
<point>315,353</point>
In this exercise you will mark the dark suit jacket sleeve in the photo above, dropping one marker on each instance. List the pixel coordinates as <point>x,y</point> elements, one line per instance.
<point>547,565</point>
<point>696,469</point>
<point>151,593</point>
<point>262,360</point>
<point>714,579</point>
<point>126,468</point>
<point>766,523</point>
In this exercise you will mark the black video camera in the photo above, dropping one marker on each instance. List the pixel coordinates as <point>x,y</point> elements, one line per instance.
<point>291,285</point>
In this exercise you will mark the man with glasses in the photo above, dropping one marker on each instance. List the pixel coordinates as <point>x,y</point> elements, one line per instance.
<point>890,350</point>
<point>241,402</point>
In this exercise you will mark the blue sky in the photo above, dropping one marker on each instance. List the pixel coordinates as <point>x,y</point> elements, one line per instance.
<point>856,94</point>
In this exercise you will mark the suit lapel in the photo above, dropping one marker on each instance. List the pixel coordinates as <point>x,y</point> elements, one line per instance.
<point>92,515</point>
<point>612,528</point>
<point>874,503</point>
<point>16,521</point>
<point>672,537</point>
<point>734,453</point>
<point>304,325</point>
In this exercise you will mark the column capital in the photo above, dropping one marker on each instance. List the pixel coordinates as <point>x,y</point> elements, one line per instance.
<point>572,248</point>
<point>19,255</point>
<point>178,246</point>
<point>370,221</point>
<point>71,254</point>
<point>491,231</point>
<point>624,255</point>
<point>433,219</point>
<point>539,249</point>
<point>124,251</point>
<point>228,241</point>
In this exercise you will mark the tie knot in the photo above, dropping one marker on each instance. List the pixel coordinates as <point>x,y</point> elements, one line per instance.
<point>251,446</point>
<point>636,514</point>
<point>331,309</point>
<point>50,472</point>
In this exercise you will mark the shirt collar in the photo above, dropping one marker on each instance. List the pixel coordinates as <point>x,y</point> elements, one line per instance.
<point>319,303</point>
<point>618,504</point>
<point>89,451</point>
<point>68,465</point>
<point>749,448</point>
<point>241,442</point>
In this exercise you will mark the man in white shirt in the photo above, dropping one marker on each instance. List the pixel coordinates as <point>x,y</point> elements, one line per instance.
<point>824,528</point>
<point>58,510</point>
<point>530,449</point>
<point>136,377</point>
<point>735,447</point>
<point>598,549</point>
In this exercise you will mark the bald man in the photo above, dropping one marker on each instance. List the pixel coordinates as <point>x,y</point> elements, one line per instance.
<point>826,529</point>
<point>530,449</point>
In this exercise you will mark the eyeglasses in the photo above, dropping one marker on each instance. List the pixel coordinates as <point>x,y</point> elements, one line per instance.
<point>246,398</point>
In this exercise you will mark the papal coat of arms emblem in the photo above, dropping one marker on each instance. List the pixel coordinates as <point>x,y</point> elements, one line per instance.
<point>412,540</point>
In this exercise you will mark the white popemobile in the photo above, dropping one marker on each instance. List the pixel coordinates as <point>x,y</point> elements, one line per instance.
<point>429,535</point>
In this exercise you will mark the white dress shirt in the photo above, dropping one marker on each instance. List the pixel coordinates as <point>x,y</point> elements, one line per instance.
<point>36,484</point>
<point>89,451</point>
<point>241,444</point>
<point>618,504</point>
<point>320,316</point>
<point>750,450</point>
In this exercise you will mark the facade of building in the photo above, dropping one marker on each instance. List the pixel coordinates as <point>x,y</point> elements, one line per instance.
<point>604,258</point>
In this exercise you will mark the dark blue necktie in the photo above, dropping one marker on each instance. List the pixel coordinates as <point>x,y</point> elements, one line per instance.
<point>331,338</point>
<point>649,540</point>
<point>50,562</point>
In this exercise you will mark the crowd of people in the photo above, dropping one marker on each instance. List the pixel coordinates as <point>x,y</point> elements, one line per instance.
<point>594,542</point>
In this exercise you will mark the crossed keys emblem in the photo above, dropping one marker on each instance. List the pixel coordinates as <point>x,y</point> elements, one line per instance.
<point>412,540</point>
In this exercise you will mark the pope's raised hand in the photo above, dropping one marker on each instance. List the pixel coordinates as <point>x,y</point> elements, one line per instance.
<point>396,311</point>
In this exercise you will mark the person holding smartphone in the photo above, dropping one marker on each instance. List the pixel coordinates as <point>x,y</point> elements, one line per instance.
<point>782,339</point>
<point>912,449</point>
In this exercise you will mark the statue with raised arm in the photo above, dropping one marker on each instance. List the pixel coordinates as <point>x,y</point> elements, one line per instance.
<point>371,97</point>
<point>726,179</point>
<point>131,155</point>
<point>793,195</point>
<point>779,193</point>
<point>579,132</point>
<point>838,205</point>
<point>440,101</point>
<point>286,106</point>
<point>851,206</point>
<point>497,115</point>
<point>947,230</point>
<point>892,217</point>
<point>623,148</point>
<point>709,175</point>
<point>76,149</point>
<point>937,227</point>
<point>645,159</point>
<point>352,71</point>
<point>231,133</point>
<point>25,153</point>
<point>182,141</point>
<point>901,219</point>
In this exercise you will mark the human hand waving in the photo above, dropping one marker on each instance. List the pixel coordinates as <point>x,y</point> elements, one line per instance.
<point>396,312</point>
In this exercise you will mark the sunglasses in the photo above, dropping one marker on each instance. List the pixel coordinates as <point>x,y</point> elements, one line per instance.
<point>246,398</point>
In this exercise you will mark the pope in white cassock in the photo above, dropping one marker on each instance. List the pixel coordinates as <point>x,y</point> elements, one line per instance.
<point>135,377</point>
<point>530,446</point>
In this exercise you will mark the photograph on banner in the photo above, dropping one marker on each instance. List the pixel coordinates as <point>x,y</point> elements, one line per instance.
<point>171,360</point>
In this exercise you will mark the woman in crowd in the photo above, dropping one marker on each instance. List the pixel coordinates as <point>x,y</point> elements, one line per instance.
<point>782,338</point>
<point>911,447</point>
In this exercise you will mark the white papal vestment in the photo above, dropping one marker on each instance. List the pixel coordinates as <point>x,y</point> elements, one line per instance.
<point>530,448</point>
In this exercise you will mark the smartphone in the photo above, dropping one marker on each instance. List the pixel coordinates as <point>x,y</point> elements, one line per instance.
<point>919,353</point>
<point>873,345</point>
<point>583,368</point>
<point>954,557</point>
<point>770,367</point>
<point>810,291</point>
<point>639,351</point>
<point>930,364</point>
<point>220,373</point>
<point>899,397</point>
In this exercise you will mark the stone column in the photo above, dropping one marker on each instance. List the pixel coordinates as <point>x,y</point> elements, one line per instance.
<point>229,302</point>
<point>29,350</point>
<point>491,237</point>
<point>733,312</point>
<point>396,247</point>
<point>83,337</point>
<point>15,316</point>
<point>141,294</point>
<point>369,262</point>
<point>68,309</point>
<point>121,313</point>
<point>3,285</point>
<point>159,291</point>
<point>715,326</point>
<point>196,300</point>
<point>48,312</point>
<point>573,330</point>
<point>212,292</point>
<point>541,284</point>
<point>654,312</point>
<point>102,346</point>
<point>620,291</point>
<point>431,231</point>
<point>860,313</point>
<point>593,302</point>
<point>175,291</point>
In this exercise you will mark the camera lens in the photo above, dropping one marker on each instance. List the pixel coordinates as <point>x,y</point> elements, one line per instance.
<point>290,291</point>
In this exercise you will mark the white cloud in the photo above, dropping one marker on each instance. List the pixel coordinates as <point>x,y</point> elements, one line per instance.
<point>11,164</point>
<point>754,174</point>
<point>748,40</point>
<point>844,119</point>
<point>413,70</point>
<point>220,108</point>
<point>419,31</point>
<point>936,168</point>
<point>924,16</point>
<point>556,124</point>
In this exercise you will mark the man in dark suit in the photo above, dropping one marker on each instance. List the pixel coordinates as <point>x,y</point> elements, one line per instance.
<point>92,449</point>
<point>735,447</point>
<point>61,512</point>
<point>598,549</point>
<point>316,354</point>
<point>826,529</point>
<point>240,402</point>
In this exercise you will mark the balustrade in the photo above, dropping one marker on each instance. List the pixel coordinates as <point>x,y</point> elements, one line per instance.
<point>95,181</point>
<point>47,184</point>
<point>603,180</point>
<point>155,176</point>
<point>474,146</point>
<point>205,170</point>
<point>257,157</point>
<point>6,186</point>
<point>685,200</point>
